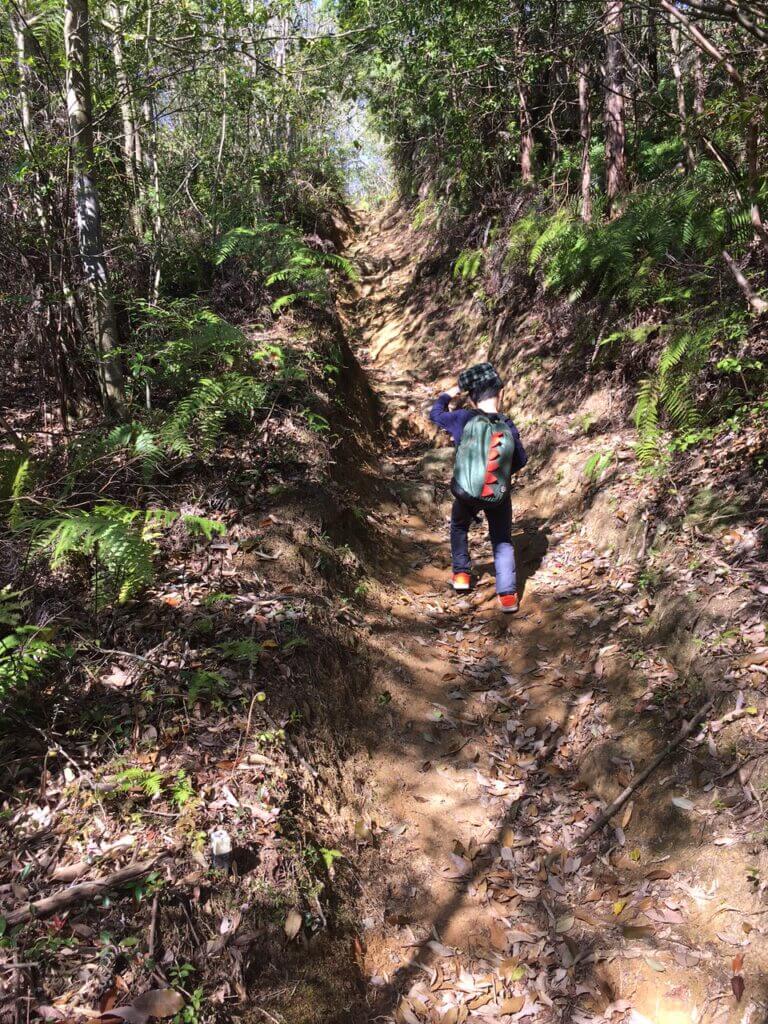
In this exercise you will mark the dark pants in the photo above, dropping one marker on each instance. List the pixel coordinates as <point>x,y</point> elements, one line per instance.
<point>499,530</point>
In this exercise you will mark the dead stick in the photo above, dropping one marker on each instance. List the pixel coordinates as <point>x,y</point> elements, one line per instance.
<point>625,794</point>
<point>82,891</point>
<point>153,926</point>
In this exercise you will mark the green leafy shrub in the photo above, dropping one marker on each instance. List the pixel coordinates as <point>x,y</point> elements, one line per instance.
<point>468,263</point>
<point>16,475</point>
<point>629,258</point>
<point>199,419</point>
<point>24,648</point>
<point>134,441</point>
<point>179,341</point>
<point>279,253</point>
<point>671,390</point>
<point>120,541</point>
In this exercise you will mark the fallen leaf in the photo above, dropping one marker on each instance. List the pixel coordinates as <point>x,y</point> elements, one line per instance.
<point>637,931</point>
<point>440,949</point>
<point>159,1002</point>
<point>683,803</point>
<point>657,874</point>
<point>737,984</point>
<point>627,816</point>
<point>293,923</point>
<point>511,970</point>
<point>126,1013</point>
<point>513,1005</point>
<point>737,963</point>
<point>564,923</point>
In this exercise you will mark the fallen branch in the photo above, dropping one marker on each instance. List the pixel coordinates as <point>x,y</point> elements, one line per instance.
<point>625,794</point>
<point>727,719</point>
<point>83,891</point>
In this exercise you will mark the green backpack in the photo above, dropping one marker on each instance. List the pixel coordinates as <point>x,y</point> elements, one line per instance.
<point>482,471</point>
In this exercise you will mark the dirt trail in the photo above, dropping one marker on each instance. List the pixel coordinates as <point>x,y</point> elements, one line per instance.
<point>495,737</point>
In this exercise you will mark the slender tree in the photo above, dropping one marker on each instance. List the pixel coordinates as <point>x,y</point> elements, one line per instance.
<point>87,206</point>
<point>585,131</point>
<point>682,107</point>
<point>615,127</point>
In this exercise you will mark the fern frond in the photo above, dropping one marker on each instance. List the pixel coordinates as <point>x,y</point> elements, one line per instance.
<point>208,528</point>
<point>200,417</point>
<point>121,541</point>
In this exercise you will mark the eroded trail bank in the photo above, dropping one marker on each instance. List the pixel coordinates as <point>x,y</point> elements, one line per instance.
<point>494,742</point>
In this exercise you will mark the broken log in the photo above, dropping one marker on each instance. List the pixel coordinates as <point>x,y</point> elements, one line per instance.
<point>83,891</point>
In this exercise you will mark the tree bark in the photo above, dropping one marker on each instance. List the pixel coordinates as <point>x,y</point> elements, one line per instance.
<point>682,110</point>
<point>585,131</point>
<point>756,303</point>
<point>526,135</point>
<point>652,46</point>
<point>150,156</point>
<point>87,207</point>
<point>615,128</point>
<point>699,84</point>
<point>130,140</point>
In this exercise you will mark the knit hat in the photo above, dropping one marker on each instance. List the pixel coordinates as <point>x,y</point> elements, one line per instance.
<point>479,376</point>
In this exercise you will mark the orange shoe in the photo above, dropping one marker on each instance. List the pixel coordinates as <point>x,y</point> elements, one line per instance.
<point>508,603</point>
<point>461,581</point>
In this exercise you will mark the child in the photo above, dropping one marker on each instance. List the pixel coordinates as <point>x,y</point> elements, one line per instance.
<point>488,452</point>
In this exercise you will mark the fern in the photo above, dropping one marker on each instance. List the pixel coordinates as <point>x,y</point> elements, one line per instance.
<point>281,255</point>
<point>205,684</point>
<point>180,341</point>
<point>597,464</point>
<point>24,648</point>
<point>150,782</point>
<point>122,542</point>
<point>200,418</point>
<point>16,475</point>
<point>199,526</point>
<point>181,789</point>
<point>467,264</point>
<point>136,441</point>
<point>646,417</point>
<point>241,650</point>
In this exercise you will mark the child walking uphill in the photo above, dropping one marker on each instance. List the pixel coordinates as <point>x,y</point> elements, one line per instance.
<point>488,452</point>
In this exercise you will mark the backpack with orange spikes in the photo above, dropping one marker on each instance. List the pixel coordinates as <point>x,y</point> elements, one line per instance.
<point>482,472</point>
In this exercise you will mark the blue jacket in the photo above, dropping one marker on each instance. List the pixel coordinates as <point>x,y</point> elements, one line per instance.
<point>454,422</point>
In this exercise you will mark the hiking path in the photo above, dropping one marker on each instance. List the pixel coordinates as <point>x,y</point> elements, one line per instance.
<point>498,738</point>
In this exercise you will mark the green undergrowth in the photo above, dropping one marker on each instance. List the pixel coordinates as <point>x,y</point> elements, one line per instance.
<point>95,505</point>
<point>654,280</point>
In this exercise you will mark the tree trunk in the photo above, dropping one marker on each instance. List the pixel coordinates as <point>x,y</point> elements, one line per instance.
<point>615,128</point>
<point>87,209</point>
<point>682,110</point>
<point>585,131</point>
<point>150,156</point>
<point>652,46</point>
<point>130,140</point>
<point>526,135</point>
<point>699,84</point>
<point>20,25</point>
